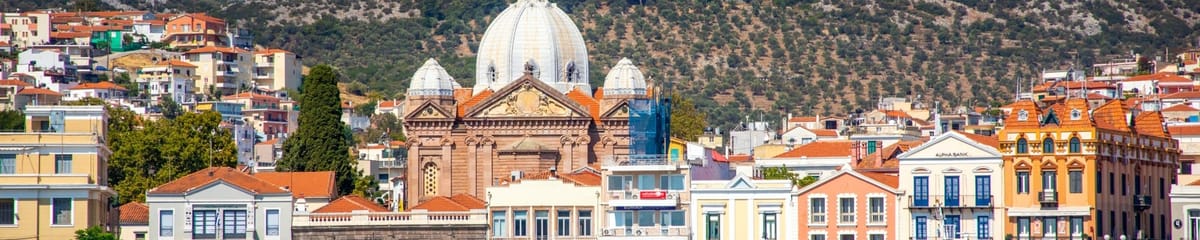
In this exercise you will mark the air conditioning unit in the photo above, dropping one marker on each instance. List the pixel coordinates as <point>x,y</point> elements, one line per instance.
<point>639,232</point>
<point>673,196</point>
<point>606,232</point>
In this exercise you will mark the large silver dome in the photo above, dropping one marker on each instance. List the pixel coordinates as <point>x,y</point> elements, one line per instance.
<point>537,33</point>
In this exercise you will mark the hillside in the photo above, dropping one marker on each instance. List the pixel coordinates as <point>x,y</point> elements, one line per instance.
<point>800,56</point>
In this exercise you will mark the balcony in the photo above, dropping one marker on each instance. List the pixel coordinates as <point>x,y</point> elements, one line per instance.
<point>227,73</point>
<point>642,163</point>
<point>263,76</point>
<point>1048,197</point>
<point>1141,202</point>
<point>45,179</point>
<point>644,199</point>
<point>414,218</point>
<point>952,201</point>
<point>656,232</point>
<point>393,164</point>
<point>37,139</point>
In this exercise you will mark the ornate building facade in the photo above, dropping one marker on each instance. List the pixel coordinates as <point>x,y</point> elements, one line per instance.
<point>542,116</point>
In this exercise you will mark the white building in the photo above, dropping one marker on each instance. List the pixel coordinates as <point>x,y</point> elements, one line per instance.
<point>28,28</point>
<point>745,137</point>
<point>104,90</point>
<point>953,189</point>
<point>150,30</point>
<point>173,79</point>
<point>51,68</point>
<point>219,202</point>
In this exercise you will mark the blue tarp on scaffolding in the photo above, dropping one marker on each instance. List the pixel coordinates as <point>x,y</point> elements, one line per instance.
<point>649,126</point>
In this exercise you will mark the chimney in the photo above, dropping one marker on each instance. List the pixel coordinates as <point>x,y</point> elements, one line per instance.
<point>515,175</point>
<point>553,172</point>
<point>878,156</point>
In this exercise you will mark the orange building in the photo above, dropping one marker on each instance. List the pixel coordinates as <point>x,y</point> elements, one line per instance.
<point>195,30</point>
<point>1071,170</point>
<point>849,205</point>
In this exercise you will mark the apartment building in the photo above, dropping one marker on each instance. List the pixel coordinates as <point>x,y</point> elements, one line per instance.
<point>54,174</point>
<point>219,203</point>
<point>28,28</point>
<point>1102,172</point>
<point>645,195</point>
<point>104,90</point>
<point>849,205</point>
<point>277,69</point>
<point>221,70</point>
<point>174,79</point>
<point>195,30</point>
<point>744,208</point>
<point>952,189</point>
<point>264,113</point>
<point>521,209</point>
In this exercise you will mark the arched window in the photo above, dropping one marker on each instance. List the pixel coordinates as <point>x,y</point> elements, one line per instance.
<point>1075,148</point>
<point>1022,146</point>
<point>430,174</point>
<point>1048,146</point>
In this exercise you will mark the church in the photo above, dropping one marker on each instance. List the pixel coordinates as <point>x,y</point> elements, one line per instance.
<point>532,108</point>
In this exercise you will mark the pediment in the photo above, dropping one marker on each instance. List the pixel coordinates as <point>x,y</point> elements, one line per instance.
<point>621,110</point>
<point>428,111</point>
<point>740,182</point>
<point>527,97</point>
<point>951,146</point>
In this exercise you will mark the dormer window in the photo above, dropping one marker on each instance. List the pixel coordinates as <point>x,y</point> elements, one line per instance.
<point>1022,115</point>
<point>1076,114</point>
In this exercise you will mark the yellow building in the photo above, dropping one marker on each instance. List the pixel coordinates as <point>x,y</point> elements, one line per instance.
<point>1070,170</point>
<point>276,69</point>
<point>744,208</point>
<point>54,175</point>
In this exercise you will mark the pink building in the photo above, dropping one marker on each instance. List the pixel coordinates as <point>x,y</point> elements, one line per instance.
<point>849,205</point>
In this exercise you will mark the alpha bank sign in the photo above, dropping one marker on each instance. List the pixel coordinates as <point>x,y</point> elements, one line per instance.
<point>951,154</point>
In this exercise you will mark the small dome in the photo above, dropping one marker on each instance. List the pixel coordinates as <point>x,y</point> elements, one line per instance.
<point>431,80</point>
<point>625,79</point>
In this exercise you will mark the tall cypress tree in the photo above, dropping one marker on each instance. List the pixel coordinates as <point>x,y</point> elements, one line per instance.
<point>319,144</point>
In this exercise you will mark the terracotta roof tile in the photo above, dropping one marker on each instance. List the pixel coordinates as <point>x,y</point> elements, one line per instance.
<point>134,213</point>
<point>587,102</point>
<point>1030,122</point>
<point>584,178</point>
<point>886,158</point>
<point>249,95</point>
<point>1189,130</point>
<point>598,94</point>
<point>1097,96</point>
<point>270,51</point>
<point>896,114</point>
<point>717,156</point>
<point>350,203</point>
<point>820,149</point>
<point>14,82</point>
<point>1183,95</point>
<point>464,105</point>
<point>1161,77</point>
<point>462,94</point>
<point>213,174</point>
<point>389,104</point>
<point>802,119</point>
<point>992,141</point>
<point>270,141</point>
<point>1111,116</point>
<point>1184,107</point>
<point>471,202</point>
<point>215,49</point>
<point>889,180</point>
<point>174,63</point>
<point>457,203</point>
<point>741,158</point>
<point>99,85</point>
<point>61,35</point>
<point>38,91</point>
<point>1150,123</point>
<point>825,132</point>
<point>303,184</point>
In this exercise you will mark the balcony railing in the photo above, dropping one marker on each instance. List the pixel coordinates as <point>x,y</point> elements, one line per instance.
<point>1048,197</point>
<point>951,201</point>
<point>390,218</point>
<point>656,231</point>
<point>644,195</point>
<point>399,163</point>
<point>1141,202</point>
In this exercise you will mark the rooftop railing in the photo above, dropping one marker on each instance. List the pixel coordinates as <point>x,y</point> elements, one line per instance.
<point>390,218</point>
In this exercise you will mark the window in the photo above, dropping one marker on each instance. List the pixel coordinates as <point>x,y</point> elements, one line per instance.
<point>645,218</point>
<point>1112,185</point>
<point>1077,226</point>
<point>645,182</point>
<point>541,224</point>
<point>1076,181</point>
<point>430,176</point>
<point>1099,182</point>
<point>383,177</point>
<point>234,224</point>
<point>1023,182</point>
<point>846,211</point>
<point>1022,227</point>
<point>1049,181</point>
<point>921,191</point>
<point>498,218</point>
<point>950,225</point>
<point>846,237</point>
<point>519,223</point>
<point>1022,146</point>
<point>1048,146</point>
<point>8,163</point>
<point>62,164</point>
<point>1049,226</point>
<point>1124,186</point>
<point>816,236</point>
<point>166,223</point>
<point>61,211</point>
<point>712,227</point>
<point>816,210</point>
<point>671,182</point>
<point>204,224</point>
<point>585,222</point>
<point>951,191</point>
<point>624,219</point>
<point>8,211</point>
<point>672,219</point>
<point>876,236</point>
<point>770,226</point>
<point>564,223</point>
<point>982,228</point>
<point>871,146</point>
<point>619,182</point>
<point>1075,146</point>
<point>983,190</point>
<point>1162,188</point>
<point>272,222</point>
<point>921,228</point>
<point>877,209</point>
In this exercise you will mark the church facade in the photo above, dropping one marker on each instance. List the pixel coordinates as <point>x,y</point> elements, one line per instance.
<point>531,110</point>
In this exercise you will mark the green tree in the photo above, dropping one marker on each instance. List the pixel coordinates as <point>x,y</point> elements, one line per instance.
<point>320,143</point>
<point>14,120</point>
<point>148,154</point>
<point>366,109</point>
<point>687,122</point>
<point>366,187</point>
<point>170,109</point>
<point>94,233</point>
<point>780,173</point>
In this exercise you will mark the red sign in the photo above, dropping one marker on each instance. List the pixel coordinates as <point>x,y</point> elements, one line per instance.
<point>653,195</point>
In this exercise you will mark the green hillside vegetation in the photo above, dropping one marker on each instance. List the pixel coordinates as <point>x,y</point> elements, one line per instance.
<point>799,56</point>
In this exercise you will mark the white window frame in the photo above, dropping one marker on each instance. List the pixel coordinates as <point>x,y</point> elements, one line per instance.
<point>813,233</point>
<point>825,210</point>
<point>72,218</point>
<point>870,216</point>
<point>16,222</point>
<point>160,222</point>
<point>267,223</point>
<point>877,232</point>
<point>847,232</point>
<point>853,215</point>
<point>503,222</point>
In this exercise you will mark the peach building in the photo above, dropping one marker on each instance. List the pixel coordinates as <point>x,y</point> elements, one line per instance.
<point>849,205</point>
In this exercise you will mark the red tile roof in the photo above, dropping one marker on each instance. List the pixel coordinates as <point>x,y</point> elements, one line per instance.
<point>992,141</point>
<point>215,49</point>
<point>592,106</point>
<point>350,203</point>
<point>38,91</point>
<point>389,104</point>
<point>1189,130</point>
<point>1184,107</point>
<point>889,180</point>
<point>717,156</point>
<point>802,119</point>
<point>741,158</point>
<point>464,105</point>
<point>1150,123</point>
<point>456,203</point>
<point>824,132</point>
<point>14,82</point>
<point>249,95</point>
<point>303,184</point>
<point>61,35</point>
<point>1183,95</point>
<point>1032,118</point>
<point>1111,116</point>
<point>820,149</point>
<point>896,114</point>
<point>134,213</point>
<point>211,175</point>
<point>174,63</point>
<point>1096,96</point>
<point>100,85</point>
<point>270,51</point>
<point>1161,77</point>
<point>886,158</point>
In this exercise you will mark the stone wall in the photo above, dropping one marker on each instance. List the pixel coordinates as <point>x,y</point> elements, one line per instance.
<point>455,232</point>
